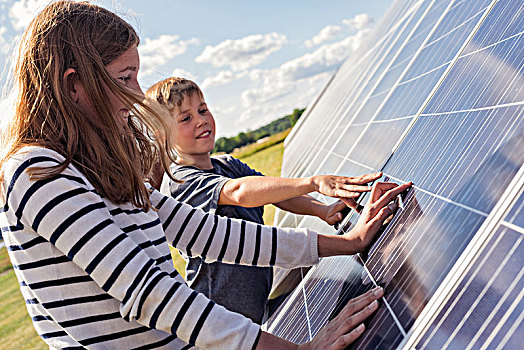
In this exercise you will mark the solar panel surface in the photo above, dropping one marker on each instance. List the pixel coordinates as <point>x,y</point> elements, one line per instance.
<point>444,109</point>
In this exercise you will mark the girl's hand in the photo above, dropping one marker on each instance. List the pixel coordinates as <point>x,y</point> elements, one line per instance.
<point>379,207</point>
<point>347,326</point>
<point>343,186</point>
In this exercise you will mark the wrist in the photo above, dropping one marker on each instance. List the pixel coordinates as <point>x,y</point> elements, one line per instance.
<point>313,183</point>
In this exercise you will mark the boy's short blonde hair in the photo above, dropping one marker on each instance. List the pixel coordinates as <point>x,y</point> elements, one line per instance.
<point>171,92</point>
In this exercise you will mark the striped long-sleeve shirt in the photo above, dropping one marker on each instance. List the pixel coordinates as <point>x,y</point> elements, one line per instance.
<point>99,275</point>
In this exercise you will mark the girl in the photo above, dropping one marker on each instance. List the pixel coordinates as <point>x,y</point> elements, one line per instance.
<point>88,239</point>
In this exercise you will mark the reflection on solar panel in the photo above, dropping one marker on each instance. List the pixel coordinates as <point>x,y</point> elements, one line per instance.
<point>437,100</point>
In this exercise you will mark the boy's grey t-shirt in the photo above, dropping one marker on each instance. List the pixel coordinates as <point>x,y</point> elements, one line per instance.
<point>243,289</point>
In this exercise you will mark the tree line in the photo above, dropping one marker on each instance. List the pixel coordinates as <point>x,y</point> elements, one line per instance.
<point>228,144</point>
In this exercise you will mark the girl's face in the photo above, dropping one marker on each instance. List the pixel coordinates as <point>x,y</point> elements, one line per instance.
<point>194,128</point>
<point>125,69</point>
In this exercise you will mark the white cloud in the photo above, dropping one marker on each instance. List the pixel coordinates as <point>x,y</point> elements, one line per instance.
<point>326,57</point>
<point>242,53</point>
<point>223,77</point>
<point>4,46</point>
<point>359,21</point>
<point>298,74</point>
<point>23,11</point>
<point>327,33</point>
<point>7,108</point>
<point>157,52</point>
<point>183,74</point>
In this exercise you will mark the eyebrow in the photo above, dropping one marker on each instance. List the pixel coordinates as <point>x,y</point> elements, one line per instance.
<point>132,68</point>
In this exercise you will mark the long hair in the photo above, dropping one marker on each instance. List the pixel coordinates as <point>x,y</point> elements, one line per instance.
<point>115,160</point>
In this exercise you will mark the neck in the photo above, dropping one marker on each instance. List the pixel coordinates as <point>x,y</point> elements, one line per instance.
<point>202,161</point>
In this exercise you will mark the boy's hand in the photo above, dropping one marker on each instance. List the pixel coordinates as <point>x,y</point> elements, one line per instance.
<point>334,212</point>
<point>343,186</point>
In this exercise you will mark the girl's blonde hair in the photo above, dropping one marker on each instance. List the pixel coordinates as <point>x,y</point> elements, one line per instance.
<point>87,38</point>
<point>171,92</point>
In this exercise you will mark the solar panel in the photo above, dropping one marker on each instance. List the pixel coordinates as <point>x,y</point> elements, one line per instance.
<point>486,309</point>
<point>443,109</point>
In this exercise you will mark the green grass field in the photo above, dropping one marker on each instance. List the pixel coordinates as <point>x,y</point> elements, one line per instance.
<point>16,329</point>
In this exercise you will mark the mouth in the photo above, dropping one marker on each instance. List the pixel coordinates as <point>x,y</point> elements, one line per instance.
<point>204,135</point>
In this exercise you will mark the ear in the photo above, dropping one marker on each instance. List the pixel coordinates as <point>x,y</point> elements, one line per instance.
<point>71,83</point>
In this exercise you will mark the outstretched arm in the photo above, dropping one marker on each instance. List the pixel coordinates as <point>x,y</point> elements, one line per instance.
<point>254,191</point>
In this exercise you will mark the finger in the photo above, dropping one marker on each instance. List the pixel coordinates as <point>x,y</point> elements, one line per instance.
<point>339,205</point>
<point>391,195</point>
<point>350,202</point>
<point>379,188</point>
<point>358,303</point>
<point>356,319</point>
<point>356,188</point>
<point>364,179</point>
<point>382,215</point>
<point>345,340</point>
<point>336,217</point>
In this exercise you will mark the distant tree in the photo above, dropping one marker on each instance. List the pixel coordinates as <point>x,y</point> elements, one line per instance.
<point>228,144</point>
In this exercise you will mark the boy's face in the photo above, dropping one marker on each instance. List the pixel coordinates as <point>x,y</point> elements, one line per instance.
<point>194,129</point>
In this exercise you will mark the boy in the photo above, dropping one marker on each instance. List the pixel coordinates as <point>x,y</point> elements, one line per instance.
<point>228,187</point>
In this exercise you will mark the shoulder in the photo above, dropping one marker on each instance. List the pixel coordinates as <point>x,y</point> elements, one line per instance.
<point>226,159</point>
<point>230,163</point>
<point>30,156</point>
<point>185,172</point>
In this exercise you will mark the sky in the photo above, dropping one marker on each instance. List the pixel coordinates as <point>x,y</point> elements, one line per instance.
<point>255,61</point>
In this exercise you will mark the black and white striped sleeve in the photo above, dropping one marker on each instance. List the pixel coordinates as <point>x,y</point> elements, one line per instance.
<point>217,238</point>
<point>67,212</point>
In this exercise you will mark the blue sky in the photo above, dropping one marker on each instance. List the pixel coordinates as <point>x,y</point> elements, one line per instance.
<point>255,60</point>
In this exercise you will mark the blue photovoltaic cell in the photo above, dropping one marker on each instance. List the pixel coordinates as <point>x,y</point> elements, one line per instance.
<point>427,69</point>
<point>515,214</point>
<point>322,133</point>
<point>331,285</point>
<point>293,324</point>
<point>487,303</point>
<point>328,289</point>
<point>455,155</point>
<point>454,95</point>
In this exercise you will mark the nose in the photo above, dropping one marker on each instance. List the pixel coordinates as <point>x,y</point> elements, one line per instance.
<point>138,89</point>
<point>201,121</point>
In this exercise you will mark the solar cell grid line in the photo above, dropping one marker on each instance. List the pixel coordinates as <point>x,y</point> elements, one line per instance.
<point>500,108</point>
<point>402,291</point>
<point>483,53</point>
<point>518,282</point>
<point>437,302</point>
<point>397,10</point>
<point>491,261</point>
<point>289,320</point>
<point>379,68</point>
<point>427,97</point>
<point>371,64</point>
<point>353,114</point>
<point>365,147</point>
<point>313,124</point>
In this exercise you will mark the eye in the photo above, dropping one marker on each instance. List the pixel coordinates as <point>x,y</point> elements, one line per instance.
<point>125,79</point>
<point>203,110</point>
<point>185,118</point>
